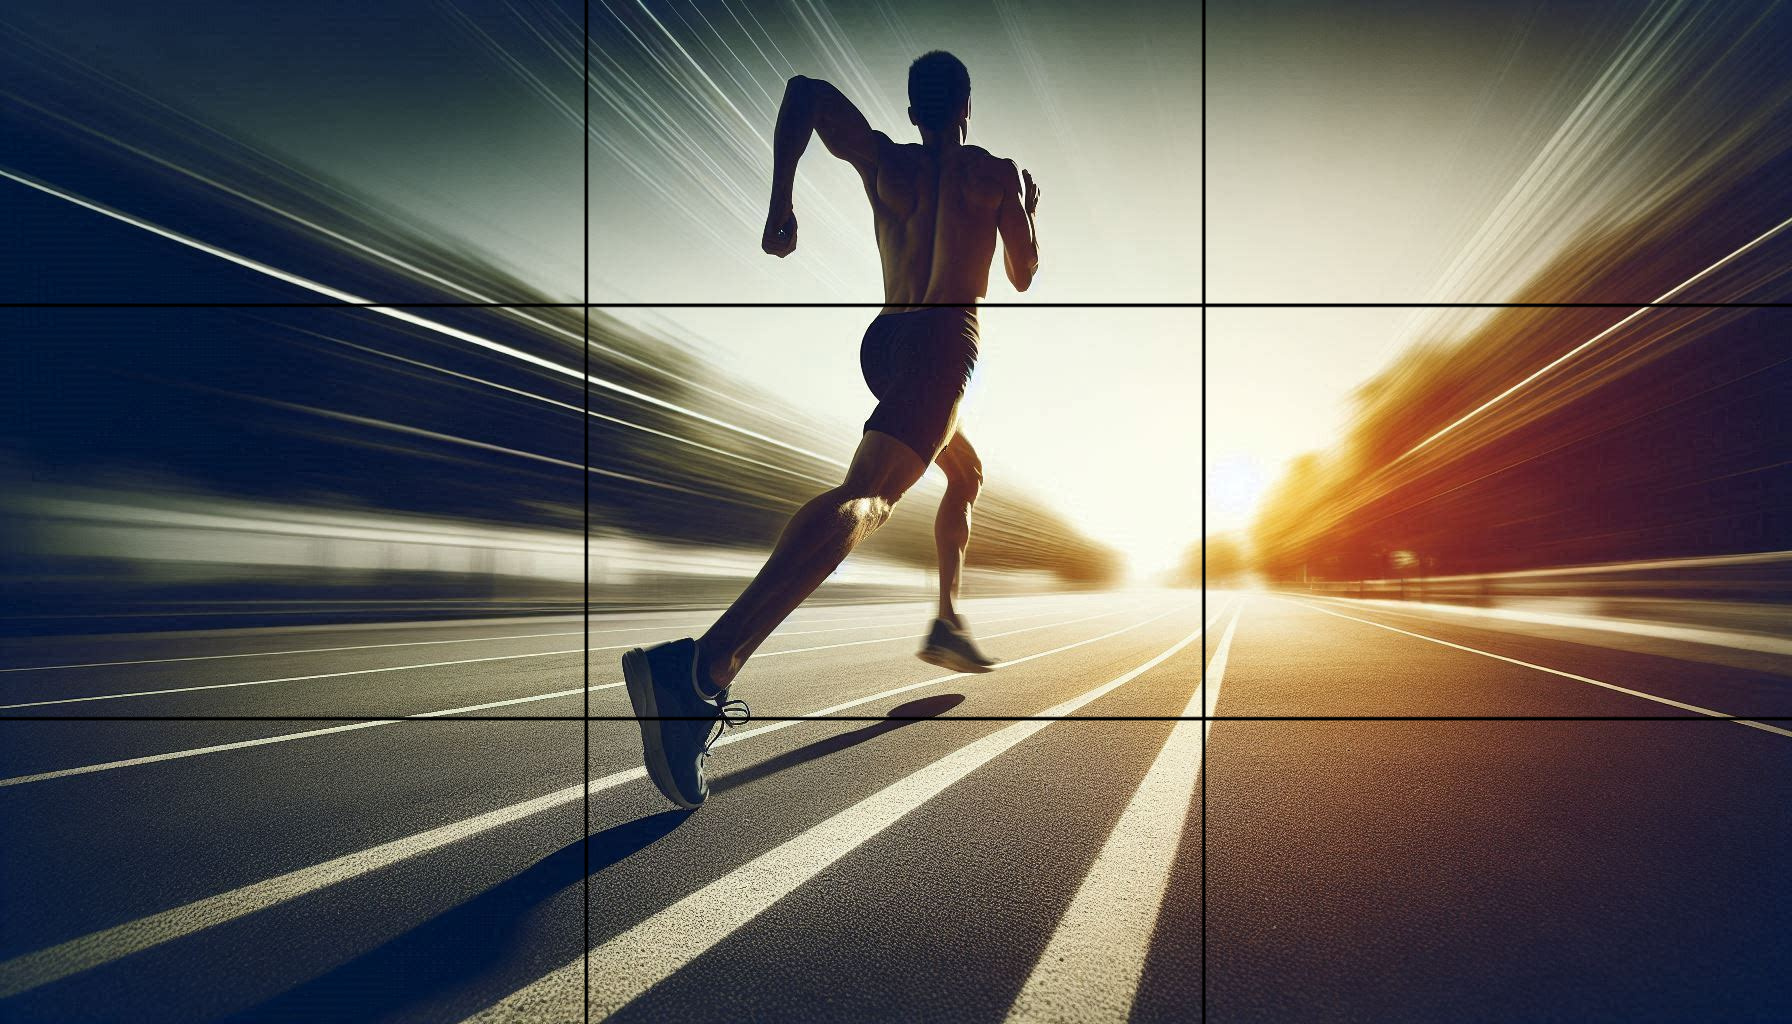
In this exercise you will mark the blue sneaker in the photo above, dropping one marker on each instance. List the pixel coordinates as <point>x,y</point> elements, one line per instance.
<point>679,722</point>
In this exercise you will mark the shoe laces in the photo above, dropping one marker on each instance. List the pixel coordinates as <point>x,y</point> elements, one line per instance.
<point>729,714</point>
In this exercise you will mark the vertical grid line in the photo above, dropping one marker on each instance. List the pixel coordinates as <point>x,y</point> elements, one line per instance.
<point>1205,725</point>
<point>585,538</point>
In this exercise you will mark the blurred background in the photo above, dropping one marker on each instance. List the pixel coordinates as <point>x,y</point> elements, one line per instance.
<point>204,434</point>
<point>1602,460</point>
<point>197,457</point>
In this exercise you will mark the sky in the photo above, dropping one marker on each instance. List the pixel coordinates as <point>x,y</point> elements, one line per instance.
<point>408,102</point>
<point>1400,151</point>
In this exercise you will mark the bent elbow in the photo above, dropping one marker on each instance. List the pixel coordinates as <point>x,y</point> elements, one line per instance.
<point>1022,276</point>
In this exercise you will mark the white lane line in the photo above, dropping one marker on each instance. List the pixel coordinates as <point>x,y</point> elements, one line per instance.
<point>1614,687</point>
<point>1091,968</point>
<point>284,679</point>
<point>654,949</point>
<point>32,970</point>
<point>1426,610</point>
<point>439,664</point>
<point>275,654</point>
<point>860,623</point>
<point>217,748</point>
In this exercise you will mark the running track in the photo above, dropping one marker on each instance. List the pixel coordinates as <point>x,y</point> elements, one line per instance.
<point>1575,843</point>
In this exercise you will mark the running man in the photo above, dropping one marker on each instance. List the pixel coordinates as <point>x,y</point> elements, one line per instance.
<point>939,206</point>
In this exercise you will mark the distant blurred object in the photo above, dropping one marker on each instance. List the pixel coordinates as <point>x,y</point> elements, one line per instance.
<point>1219,560</point>
<point>1648,422</point>
<point>1738,593</point>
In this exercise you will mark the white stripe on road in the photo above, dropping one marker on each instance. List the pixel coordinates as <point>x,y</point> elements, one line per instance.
<point>656,948</point>
<point>1733,639</point>
<point>862,621</point>
<point>31,970</point>
<point>444,664</point>
<point>275,654</point>
<point>1670,702</point>
<point>1091,968</point>
<point>218,748</point>
<point>285,679</point>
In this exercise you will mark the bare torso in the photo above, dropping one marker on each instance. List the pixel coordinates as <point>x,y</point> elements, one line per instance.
<point>936,211</point>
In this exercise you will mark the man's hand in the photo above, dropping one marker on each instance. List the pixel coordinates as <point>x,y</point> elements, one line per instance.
<point>1032,192</point>
<point>780,232</point>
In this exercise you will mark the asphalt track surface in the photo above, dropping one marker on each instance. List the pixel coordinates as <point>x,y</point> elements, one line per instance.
<point>1408,816</point>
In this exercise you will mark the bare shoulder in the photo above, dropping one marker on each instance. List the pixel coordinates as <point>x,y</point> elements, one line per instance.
<point>891,153</point>
<point>997,170</point>
<point>993,175</point>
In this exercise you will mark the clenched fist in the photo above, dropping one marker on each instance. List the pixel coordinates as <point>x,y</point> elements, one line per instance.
<point>780,232</point>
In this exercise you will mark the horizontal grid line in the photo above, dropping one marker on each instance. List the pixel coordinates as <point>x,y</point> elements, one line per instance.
<point>902,718</point>
<point>880,305</point>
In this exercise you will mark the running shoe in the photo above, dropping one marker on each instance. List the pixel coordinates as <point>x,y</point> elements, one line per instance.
<point>679,722</point>
<point>950,646</point>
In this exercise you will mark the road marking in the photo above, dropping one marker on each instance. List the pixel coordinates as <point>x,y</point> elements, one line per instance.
<point>1732,639</point>
<point>1670,702</point>
<point>651,951</point>
<point>440,664</point>
<point>1091,968</point>
<point>218,748</point>
<point>275,654</point>
<point>85,952</point>
<point>284,679</point>
<point>862,622</point>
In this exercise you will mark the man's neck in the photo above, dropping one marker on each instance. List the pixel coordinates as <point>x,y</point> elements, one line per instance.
<point>934,139</point>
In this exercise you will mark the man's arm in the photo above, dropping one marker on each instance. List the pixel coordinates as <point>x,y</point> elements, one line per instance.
<point>1020,245</point>
<point>811,105</point>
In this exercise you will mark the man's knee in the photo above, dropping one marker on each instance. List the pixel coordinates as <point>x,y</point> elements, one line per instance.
<point>965,481</point>
<point>870,511</point>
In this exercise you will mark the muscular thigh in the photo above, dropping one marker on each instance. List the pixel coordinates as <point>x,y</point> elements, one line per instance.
<point>883,467</point>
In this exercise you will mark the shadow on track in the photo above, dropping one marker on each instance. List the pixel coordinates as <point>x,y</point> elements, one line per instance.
<point>471,941</point>
<point>478,940</point>
<point>899,716</point>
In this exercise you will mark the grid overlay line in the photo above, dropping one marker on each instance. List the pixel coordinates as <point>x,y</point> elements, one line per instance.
<point>1202,519</point>
<point>585,536</point>
<point>422,720</point>
<point>1203,305</point>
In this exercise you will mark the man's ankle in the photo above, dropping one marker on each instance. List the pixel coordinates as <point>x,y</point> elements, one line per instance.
<point>707,683</point>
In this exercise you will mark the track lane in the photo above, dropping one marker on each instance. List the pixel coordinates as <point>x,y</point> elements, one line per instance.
<point>659,946</point>
<point>1668,670</point>
<point>633,757</point>
<point>351,671</point>
<point>563,702</point>
<point>1482,870</point>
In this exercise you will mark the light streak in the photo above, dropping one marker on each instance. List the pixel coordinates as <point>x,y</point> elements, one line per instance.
<point>1667,296</point>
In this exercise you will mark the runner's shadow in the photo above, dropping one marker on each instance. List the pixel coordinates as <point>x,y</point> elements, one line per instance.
<point>899,716</point>
<point>468,942</point>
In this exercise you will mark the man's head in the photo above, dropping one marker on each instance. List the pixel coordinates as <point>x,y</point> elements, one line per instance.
<point>939,92</point>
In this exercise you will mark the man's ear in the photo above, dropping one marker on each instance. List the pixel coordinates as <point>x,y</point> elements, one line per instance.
<point>911,117</point>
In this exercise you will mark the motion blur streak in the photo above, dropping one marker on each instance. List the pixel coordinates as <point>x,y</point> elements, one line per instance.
<point>421,447</point>
<point>1521,440</point>
<point>1666,296</point>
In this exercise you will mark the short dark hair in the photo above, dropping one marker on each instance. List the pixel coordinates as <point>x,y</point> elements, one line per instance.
<point>939,85</point>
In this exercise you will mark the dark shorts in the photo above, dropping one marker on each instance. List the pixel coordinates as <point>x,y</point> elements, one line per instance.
<point>918,363</point>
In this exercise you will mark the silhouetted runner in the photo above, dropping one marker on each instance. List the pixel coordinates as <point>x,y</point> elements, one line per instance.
<point>939,206</point>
